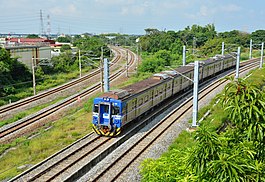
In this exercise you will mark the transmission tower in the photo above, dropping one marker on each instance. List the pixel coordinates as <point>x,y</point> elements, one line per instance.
<point>48,26</point>
<point>41,24</point>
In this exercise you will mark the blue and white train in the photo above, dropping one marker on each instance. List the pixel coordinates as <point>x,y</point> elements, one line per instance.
<point>114,109</point>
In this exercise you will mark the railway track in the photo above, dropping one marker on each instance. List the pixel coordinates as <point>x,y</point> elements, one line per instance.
<point>4,110</point>
<point>79,158</point>
<point>128,158</point>
<point>16,129</point>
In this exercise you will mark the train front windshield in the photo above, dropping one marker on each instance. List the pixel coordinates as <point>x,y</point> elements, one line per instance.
<point>115,110</point>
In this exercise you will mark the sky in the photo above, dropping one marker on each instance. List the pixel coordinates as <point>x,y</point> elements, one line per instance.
<point>128,16</point>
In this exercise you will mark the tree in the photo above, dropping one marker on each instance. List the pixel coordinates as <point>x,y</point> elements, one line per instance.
<point>33,36</point>
<point>65,47</point>
<point>246,107</point>
<point>11,72</point>
<point>66,39</point>
<point>258,36</point>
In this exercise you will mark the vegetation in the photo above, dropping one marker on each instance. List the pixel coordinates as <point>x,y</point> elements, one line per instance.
<point>233,155</point>
<point>44,142</point>
<point>162,49</point>
<point>211,154</point>
<point>16,78</point>
<point>33,36</point>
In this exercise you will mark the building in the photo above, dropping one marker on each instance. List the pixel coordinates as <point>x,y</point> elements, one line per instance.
<point>29,49</point>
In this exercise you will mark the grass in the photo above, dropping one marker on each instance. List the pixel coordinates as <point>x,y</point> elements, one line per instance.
<point>31,151</point>
<point>63,132</point>
<point>185,141</point>
<point>72,127</point>
<point>23,114</point>
<point>50,81</point>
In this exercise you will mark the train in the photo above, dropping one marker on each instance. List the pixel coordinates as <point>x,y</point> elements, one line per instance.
<point>113,110</point>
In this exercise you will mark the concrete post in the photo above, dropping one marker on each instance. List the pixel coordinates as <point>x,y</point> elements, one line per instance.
<point>195,94</point>
<point>237,62</point>
<point>106,75</point>
<point>250,49</point>
<point>223,48</point>
<point>184,56</point>
<point>261,55</point>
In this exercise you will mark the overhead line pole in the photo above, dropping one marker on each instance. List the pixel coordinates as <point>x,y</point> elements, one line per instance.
<point>223,48</point>
<point>195,94</point>
<point>33,76</point>
<point>80,66</point>
<point>237,62</point>
<point>250,49</point>
<point>184,56</point>
<point>101,70</point>
<point>261,55</point>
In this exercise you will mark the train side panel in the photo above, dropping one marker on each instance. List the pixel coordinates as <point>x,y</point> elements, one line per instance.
<point>130,110</point>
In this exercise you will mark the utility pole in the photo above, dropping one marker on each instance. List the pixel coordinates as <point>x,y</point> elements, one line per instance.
<point>250,49</point>
<point>34,64</point>
<point>80,66</point>
<point>127,63</point>
<point>106,75</point>
<point>195,93</point>
<point>237,62</point>
<point>33,76</point>
<point>193,45</point>
<point>101,70</point>
<point>184,56</point>
<point>137,57</point>
<point>261,55</point>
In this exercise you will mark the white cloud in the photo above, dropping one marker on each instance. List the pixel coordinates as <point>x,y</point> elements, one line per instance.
<point>137,11</point>
<point>230,8</point>
<point>114,2</point>
<point>206,11</point>
<point>58,10</point>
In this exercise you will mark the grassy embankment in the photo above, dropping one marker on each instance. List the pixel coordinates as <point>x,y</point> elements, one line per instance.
<point>49,139</point>
<point>157,169</point>
<point>48,82</point>
<point>46,142</point>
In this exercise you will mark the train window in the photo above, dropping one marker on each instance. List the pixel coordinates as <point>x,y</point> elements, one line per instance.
<point>95,108</point>
<point>146,98</point>
<point>133,104</point>
<point>115,110</point>
<point>106,108</point>
<point>156,93</point>
<point>141,101</point>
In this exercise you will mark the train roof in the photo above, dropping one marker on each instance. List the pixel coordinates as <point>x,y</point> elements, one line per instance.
<point>156,79</point>
<point>136,87</point>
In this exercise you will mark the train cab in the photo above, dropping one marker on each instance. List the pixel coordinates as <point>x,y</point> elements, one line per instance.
<point>107,116</point>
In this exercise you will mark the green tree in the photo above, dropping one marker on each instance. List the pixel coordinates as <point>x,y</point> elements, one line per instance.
<point>65,47</point>
<point>11,72</point>
<point>246,107</point>
<point>258,36</point>
<point>33,36</point>
<point>64,62</point>
<point>66,39</point>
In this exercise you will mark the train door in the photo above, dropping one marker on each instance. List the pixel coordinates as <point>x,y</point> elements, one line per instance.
<point>104,114</point>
